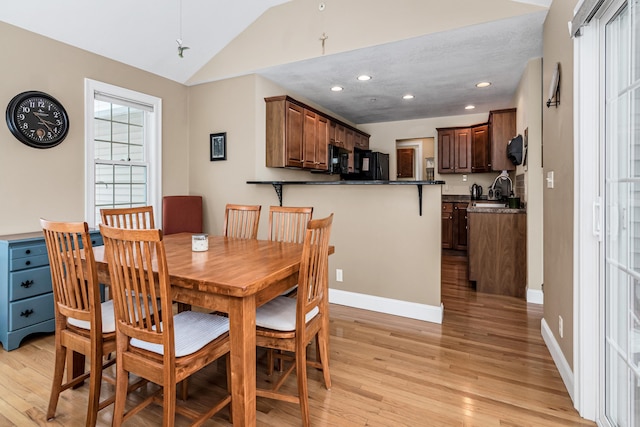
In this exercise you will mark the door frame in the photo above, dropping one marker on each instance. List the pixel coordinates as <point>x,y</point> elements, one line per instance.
<point>416,144</point>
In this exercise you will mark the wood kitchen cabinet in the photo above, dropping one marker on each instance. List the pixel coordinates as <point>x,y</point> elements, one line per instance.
<point>454,150</point>
<point>502,128</point>
<point>498,252</point>
<point>285,121</point>
<point>315,141</point>
<point>297,135</point>
<point>480,149</point>
<point>454,225</point>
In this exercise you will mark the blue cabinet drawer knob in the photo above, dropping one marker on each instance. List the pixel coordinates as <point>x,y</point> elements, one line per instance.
<point>26,284</point>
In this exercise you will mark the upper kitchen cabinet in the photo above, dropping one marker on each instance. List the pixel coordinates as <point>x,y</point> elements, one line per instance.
<point>502,128</point>
<point>315,141</point>
<point>285,122</point>
<point>480,149</point>
<point>454,150</point>
<point>298,135</point>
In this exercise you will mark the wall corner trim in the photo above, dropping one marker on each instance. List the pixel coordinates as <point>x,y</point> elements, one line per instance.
<point>558,358</point>
<point>411,310</point>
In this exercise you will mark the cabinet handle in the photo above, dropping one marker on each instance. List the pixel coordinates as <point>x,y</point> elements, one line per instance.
<point>27,263</point>
<point>27,313</point>
<point>26,284</point>
<point>28,251</point>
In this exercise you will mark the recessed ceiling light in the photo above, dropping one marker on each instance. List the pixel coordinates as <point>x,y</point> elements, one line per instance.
<point>408,96</point>
<point>337,88</point>
<point>364,78</point>
<point>483,84</point>
<point>469,107</point>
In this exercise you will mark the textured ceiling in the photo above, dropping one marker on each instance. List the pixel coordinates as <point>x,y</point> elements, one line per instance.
<point>440,70</point>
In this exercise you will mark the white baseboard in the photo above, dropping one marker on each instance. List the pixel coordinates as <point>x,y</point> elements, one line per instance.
<point>535,296</point>
<point>561,363</point>
<point>411,310</point>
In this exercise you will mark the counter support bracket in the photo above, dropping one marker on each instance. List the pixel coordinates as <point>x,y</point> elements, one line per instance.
<point>419,198</point>
<point>278,188</point>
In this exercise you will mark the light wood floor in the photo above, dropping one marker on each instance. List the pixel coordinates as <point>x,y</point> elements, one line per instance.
<point>486,365</point>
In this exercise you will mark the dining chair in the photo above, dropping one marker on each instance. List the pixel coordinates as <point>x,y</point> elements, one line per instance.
<point>134,218</point>
<point>83,324</point>
<point>289,324</point>
<point>241,221</point>
<point>287,224</point>
<point>165,351</point>
<point>181,214</point>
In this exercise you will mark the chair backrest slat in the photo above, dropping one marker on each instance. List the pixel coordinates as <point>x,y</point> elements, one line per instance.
<point>132,256</point>
<point>75,289</point>
<point>288,224</point>
<point>241,221</point>
<point>313,280</point>
<point>131,218</point>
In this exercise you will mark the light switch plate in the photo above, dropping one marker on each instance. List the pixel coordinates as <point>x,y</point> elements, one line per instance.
<point>550,182</point>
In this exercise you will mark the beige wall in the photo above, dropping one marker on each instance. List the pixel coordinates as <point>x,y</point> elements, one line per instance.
<point>382,245</point>
<point>49,183</point>
<point>290,32</point>
<point>558,151</point>
<point>528,101</point>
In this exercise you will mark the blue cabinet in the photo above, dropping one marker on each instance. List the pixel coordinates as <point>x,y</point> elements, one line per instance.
<point>26,298</point>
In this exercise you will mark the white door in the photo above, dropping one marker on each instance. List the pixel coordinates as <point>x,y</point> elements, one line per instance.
<point>621,49</point>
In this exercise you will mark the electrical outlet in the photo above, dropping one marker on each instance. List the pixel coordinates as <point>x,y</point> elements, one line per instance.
<point>338,275</point>
<point>464,178</point>
<point>560,327</point>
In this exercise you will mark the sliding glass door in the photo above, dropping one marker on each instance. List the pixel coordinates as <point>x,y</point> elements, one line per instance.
<point>621,52</point>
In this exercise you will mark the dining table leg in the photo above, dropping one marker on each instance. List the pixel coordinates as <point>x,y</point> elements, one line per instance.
<point>242,335</point>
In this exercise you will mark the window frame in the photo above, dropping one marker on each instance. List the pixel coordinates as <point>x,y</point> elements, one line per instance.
<point>153,145</point>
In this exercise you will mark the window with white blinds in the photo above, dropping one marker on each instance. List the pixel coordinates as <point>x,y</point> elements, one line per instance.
<point>123,149</point>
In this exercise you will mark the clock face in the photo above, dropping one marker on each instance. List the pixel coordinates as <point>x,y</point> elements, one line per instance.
<point>37,119</point>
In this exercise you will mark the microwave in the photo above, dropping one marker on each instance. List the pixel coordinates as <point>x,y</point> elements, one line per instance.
<point>338,159</point>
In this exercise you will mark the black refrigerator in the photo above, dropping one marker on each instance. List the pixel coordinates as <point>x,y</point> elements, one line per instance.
<point>374,165</point>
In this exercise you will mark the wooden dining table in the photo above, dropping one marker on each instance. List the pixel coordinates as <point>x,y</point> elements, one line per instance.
<point>233,276</point>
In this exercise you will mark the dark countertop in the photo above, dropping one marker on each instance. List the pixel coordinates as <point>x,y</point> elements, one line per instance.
<point>458,198</point>
<point>480,209</point>
<point>354,182</point>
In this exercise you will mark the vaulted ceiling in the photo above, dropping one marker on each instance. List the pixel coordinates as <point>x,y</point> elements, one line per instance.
<point>440,69</point>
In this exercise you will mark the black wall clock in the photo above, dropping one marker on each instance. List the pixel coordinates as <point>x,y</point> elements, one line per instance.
<point>37,119</point>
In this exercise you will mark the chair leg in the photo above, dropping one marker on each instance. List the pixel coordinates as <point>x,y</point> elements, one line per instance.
<point>58,376</point>
<point>184,389</point>
<point>323,348</point>
<point>122,382</point>
<point>301,373</point>
<point>95,381</point>
<point>169,404</point>
<point>270,361</point>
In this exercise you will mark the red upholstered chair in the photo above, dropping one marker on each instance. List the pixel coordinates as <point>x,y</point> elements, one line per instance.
<point>181,214</point>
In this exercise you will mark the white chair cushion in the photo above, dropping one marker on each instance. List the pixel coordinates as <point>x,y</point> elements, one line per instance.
<point>280,314</point>
<point>192,331</point>
<point>108,319</point>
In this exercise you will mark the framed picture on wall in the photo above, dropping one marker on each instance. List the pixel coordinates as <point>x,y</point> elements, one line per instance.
<point>218,143</point>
